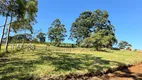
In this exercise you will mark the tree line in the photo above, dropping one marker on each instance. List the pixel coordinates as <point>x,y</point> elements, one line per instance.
<point>90,29</point>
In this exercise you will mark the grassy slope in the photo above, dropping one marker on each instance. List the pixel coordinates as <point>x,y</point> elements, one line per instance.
<point>21,65</point>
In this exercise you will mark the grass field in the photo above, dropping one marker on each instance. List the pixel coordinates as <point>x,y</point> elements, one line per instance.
<point>61,61</point>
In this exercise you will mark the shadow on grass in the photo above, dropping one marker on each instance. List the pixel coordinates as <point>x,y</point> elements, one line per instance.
<point>17,69</point>
<point>21,69</point>
<point>2,54</point>
<point>72,61</point>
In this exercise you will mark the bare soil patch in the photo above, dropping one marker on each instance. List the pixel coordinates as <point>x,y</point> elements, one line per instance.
<point>132,73</point>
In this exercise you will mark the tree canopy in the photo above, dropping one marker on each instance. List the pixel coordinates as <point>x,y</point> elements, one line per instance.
<point>82,26</point>
<point>41,37</point>
<point>22,15</point>
<point>57,32</point>
<point>124,45</point>
<point>94,25</point>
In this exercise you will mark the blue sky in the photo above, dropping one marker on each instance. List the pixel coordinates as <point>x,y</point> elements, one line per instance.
<point>125,15</point>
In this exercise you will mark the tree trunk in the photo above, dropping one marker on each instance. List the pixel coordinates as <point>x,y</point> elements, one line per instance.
<point>2,34</point>
<point>8,33</point>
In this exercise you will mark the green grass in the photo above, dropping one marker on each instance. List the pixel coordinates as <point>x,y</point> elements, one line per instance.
<point>3,48</point>
<point>53,62</point>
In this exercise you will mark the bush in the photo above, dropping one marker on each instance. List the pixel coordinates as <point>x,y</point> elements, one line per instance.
<point>129,49</point>
<point>135,50</point>
<point>115,49</point>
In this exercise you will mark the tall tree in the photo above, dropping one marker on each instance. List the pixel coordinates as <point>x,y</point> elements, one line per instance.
<point>57,32</point>
<point>4,12</point>
<point>82,26</point>
<point>95,25</point>
<point>21,9</point>
<point>3,30</point>
<point>103,26</point>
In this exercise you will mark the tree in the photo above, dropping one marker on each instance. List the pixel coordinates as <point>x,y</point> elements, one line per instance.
<point>93,22</point>
<point>22,25</point>
<point>41,37</point>
<point>57,32</point>
<point>8,7</point>
<point>20,37</point>
<point>104,28</point>
<point>99,40</point>
<point>5,13</point>
<point>82,26</point>
<point>88,42</point>
<point>20,10</point>
<point>124,45</point>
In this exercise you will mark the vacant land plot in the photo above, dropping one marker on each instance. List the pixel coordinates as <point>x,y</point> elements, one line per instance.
<point>62,61</point>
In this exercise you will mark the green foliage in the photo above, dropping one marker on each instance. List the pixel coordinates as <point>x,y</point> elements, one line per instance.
<point>93,28</point>
<point>26,13</point>
<point>102,33</point>
<point>99,40</point>
<point>3,10</point>
<point>103,26</point>
<point>88,42</point>
<point>41,37</point>
<point>20,9</point>
<point>82,26</point>
<point>21,25</point>
<point>19,38</point>
<point>22,15</point>
<point>124,45</point>
<point>57,32</point>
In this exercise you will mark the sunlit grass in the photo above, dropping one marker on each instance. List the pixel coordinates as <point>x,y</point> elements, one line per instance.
<point>61,61</point>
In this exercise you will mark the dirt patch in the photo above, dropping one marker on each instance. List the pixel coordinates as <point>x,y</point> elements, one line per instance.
<point>136,69</point>
<point>132,73</point>
<point>122,72</point>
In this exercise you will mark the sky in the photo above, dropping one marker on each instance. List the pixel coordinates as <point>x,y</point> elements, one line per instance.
<point>125,15</point>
